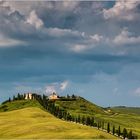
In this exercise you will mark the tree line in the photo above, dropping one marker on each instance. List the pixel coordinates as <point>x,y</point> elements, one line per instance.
<point>63,114</point>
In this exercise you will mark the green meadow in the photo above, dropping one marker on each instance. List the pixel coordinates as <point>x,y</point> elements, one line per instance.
<point>33,122</point>
<point>28,119</point>
<point>127,117</point>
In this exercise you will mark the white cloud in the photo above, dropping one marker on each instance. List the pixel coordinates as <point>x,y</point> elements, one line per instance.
<point>126,38</point>
<point>64,85</point>
<point>50,89</point>
<point>115,91</point>
<point>123,9</point>
<point>56,87</point>
<point>79,48</point>
<point>97,38</point>
<point>7,42</point>
<point>137,92</point>
<point>69,5</point>
<point>34,20</point>
<point>57,32</point>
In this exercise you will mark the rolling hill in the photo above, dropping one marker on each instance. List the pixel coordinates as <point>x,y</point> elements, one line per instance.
<point>126,110</point>
<point>26,119</point>
<point>80,106</point>
<point>125,117</point>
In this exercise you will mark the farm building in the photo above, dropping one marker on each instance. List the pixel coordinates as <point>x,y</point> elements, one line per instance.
<point>53,96</point>
<point>28,96</point>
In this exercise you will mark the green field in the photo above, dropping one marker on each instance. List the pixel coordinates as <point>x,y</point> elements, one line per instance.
<point>33,122</point>
<point>9,106</point>
<point>28,119</point>
<point>125,117</point>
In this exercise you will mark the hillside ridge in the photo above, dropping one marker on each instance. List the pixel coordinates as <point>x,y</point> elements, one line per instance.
<point>79,110</point>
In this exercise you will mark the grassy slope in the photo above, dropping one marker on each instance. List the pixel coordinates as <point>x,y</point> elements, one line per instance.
<point>128,118</point>
<point>80,106</point>
<point>18,105</point>
<point>33,122</point>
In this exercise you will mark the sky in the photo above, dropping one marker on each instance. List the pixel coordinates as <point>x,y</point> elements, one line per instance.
<point>86,48</point>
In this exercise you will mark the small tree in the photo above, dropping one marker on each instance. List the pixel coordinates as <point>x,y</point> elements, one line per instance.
<point>18,96</point>
<point>119,131</point>
<point>68,96</point>
<point>14,98</point>
<point>98,124</point>
<point>92,121</point>
<point>83,120</point>
<point>124,133</point>
<point>103,125</point>
<point>108,127</point>
<point>113,130</point>
<point>130,134</point>
<point>88,121</point>
<point>28,96</point>
<point>79,119</point>
<point>9,99</point>
<point>73,96</point>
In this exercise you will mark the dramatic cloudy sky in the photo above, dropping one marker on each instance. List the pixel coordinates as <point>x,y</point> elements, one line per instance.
<point>90,49</point>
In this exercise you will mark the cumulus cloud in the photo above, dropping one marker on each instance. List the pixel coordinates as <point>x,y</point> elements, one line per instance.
<point>50,89</point>
<point>56,87</point>
<point>9,42</point>
<point>34,20</point>
<point>137,92</point>
<point>123,9</point>
<point>97,38</point>
<point>64,85</point>
<point>79,48</point>
<point>126,38</point>
<point>57,32</point>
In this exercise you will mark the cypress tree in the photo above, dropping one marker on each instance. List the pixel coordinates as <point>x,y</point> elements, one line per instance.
<point>14,98</point>
<point>124,133</point>
<point>9,99</point>
<point>108,127</point>
<point>83,120</point>
<point>68,96</point>
<point>130,134</point>
<point>18,96</point>
<point>119,131</point>
<point>98,125</point>
<point>113,131</point>
<point>24,96</point>
<point>92,121</point>
<point>103,125</point>
<point>28,96</point>
<point>79,119</point>
<point>88,121</point>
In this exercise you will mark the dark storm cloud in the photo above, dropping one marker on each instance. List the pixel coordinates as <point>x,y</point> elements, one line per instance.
<point>82,42</point>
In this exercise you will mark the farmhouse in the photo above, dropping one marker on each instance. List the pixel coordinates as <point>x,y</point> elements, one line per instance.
<point>28,96</point>
<point>53,96</point>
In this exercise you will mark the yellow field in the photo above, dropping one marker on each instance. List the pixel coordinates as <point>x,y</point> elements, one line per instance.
<point>32,122</point>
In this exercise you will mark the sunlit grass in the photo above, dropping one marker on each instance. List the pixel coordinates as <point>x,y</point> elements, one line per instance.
<point>32,122</point>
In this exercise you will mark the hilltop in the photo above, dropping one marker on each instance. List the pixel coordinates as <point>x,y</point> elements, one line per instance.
<point>80,106</point>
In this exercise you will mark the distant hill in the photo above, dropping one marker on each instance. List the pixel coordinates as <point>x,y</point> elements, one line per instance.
<point>32,122</point>
<point>127,110</point>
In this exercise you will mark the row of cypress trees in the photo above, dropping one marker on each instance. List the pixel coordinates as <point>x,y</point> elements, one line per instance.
<point>50,106</point>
